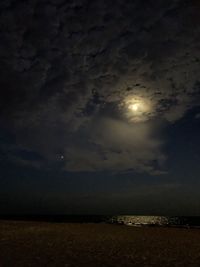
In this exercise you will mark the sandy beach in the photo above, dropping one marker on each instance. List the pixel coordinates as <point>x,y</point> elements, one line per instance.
<point>24,244</point>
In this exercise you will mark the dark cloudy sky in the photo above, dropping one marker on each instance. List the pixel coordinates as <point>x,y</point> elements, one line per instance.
<point>100,106</point>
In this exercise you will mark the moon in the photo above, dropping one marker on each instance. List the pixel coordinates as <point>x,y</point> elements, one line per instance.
<point>134,107</point>
<point>138,109</point>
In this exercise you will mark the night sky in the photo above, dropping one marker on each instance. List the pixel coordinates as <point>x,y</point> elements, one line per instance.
<point>100,107</point>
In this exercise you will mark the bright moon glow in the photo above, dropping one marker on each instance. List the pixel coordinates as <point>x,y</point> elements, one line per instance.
<point>134,107</point>
<point>137,109</point>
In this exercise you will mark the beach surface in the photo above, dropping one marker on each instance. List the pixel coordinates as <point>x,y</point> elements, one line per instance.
<point>24,244</point>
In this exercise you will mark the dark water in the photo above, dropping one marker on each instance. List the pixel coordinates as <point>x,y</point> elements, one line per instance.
<point>129,220</point>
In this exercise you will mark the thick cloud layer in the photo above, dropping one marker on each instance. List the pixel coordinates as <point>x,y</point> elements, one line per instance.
<point>67,68</point>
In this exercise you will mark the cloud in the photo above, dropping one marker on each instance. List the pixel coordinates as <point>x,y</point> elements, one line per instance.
<point>66,64</point>
<point>114,145</point>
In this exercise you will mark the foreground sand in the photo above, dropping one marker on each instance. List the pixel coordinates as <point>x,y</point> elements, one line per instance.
<point>24,244</point>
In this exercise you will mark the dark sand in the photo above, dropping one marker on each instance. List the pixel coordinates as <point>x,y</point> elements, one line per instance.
<point>24,244</point>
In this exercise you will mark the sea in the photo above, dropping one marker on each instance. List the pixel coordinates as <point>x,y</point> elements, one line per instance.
<point>127,220</point>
